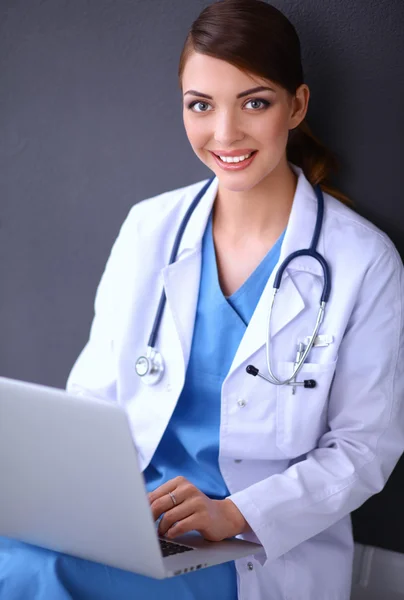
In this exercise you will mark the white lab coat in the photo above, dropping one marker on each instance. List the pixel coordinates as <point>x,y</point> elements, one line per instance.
<point>295,465</point>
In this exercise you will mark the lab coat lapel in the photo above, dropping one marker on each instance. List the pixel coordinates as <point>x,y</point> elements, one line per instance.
<point>181,279</point>
<point>289,302</point>
<point>181,284</point>
<point>288,305</point>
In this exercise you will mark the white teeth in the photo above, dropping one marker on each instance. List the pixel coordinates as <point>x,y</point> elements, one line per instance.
<point>235,159</point>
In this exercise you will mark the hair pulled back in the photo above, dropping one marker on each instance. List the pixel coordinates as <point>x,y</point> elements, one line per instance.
<point>257,38</point>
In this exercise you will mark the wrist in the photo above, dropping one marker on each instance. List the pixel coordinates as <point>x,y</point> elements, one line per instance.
<point>236,518</point>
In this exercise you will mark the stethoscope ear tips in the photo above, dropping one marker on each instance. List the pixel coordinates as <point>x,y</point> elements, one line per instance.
<point>307,383</point>
<point>251,370</point>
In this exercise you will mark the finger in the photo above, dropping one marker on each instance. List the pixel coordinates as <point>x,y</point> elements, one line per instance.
<point>169,486</point>
<point>183,526</point>
<point>165,503</point>
<point>183,511</point>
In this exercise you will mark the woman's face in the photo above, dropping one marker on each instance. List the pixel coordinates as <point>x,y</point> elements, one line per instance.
<point>230,114</point>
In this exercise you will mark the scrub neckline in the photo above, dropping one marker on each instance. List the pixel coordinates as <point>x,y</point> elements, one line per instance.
<point>261,265</point>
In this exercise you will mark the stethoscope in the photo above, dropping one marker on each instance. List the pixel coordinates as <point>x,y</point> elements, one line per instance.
<point>150,367</point>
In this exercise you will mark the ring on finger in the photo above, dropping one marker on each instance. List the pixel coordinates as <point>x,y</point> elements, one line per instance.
<point>173,498</point>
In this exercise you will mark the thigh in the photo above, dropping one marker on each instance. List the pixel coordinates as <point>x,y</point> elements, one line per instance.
<point>29,572</point>
<point>38,574</point>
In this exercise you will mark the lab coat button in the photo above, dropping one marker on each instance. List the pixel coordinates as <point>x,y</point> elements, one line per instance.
<point>250,566</point>
<point>237,460</point>
<point>241,403</point>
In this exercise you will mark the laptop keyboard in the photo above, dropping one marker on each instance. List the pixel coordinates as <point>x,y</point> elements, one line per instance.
<point>170,548</point>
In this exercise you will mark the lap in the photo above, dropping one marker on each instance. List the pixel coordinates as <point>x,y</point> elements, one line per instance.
<point>39,574</point>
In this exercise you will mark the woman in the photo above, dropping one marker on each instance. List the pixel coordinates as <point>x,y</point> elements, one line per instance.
<point>223,452</point>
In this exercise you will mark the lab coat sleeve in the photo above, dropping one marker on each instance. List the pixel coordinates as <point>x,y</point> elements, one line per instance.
<point>95,371</point>
<point>355,457</point>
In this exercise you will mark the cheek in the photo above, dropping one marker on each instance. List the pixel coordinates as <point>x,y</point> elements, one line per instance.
<point>275,129</point>
<point>196,132</point>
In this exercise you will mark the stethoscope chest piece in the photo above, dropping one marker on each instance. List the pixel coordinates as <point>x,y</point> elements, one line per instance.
<point>150,368</point>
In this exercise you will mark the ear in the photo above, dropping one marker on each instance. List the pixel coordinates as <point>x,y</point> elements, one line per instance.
<point>300,104</point>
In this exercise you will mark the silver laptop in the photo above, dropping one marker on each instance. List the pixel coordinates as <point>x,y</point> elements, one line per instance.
<point>70,481</point>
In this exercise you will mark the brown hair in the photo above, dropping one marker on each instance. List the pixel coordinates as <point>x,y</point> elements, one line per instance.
<point>257,38</point>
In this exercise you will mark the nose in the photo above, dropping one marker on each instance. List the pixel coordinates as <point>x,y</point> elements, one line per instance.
<point>227,129</point>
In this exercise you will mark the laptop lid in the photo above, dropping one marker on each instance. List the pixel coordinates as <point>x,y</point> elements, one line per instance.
<point>70,479</point>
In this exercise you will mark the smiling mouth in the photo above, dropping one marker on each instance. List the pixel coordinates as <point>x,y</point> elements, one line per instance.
<point>234,159</point>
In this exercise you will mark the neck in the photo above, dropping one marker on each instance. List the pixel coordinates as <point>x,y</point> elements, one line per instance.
<point>264,210</point>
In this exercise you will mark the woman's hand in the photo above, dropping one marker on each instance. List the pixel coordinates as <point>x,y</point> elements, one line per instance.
<point>188,509</point>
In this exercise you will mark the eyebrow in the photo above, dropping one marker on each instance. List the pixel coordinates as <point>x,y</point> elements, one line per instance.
<point>260,88</point>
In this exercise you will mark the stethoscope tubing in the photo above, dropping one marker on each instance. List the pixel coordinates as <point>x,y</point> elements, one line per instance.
<point>312,252</point>
<point>173,256</point>
<point>290,380</point>
<point>153,356</point>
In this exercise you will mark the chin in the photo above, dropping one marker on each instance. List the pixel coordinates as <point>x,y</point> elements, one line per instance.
<point>240,182</point>
<point>236,186</point>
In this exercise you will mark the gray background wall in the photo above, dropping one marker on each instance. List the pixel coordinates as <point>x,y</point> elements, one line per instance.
<point>90,123</point>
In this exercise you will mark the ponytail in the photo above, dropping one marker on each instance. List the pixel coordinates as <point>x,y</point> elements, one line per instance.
<point>316,161</point>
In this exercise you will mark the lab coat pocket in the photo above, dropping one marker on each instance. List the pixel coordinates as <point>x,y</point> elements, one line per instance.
<point>301,418</point>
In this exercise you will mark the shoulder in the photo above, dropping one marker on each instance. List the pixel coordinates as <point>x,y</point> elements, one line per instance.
<point>135,248</point>
<point>355,236</point>
<point>152,219</point>
<point>156,211</point>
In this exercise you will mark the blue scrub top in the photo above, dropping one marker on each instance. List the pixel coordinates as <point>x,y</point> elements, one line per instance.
<point>190,444</point>
<point>189,447</point>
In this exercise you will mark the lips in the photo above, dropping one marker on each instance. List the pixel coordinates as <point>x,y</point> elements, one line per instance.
<point>235,166</point>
